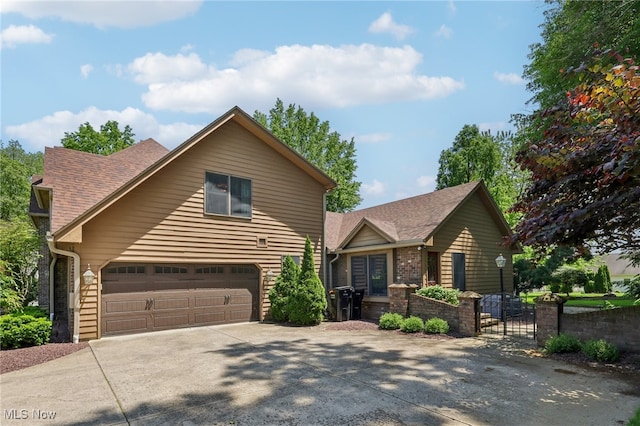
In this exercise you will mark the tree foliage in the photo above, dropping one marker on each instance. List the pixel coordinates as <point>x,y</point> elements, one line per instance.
<point>315,141</point>
<point>16,169</point>
<point>285,285</point>
<point>477,155</point>
<point>585,170</point>
<point>108,140</point>
<point>602,280</point>
<point>308,302</point>
<point>571,32</point>
<point>474,156</point>
<point>19,244</point>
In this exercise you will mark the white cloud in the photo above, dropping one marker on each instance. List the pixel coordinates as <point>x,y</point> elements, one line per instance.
<point>374,188</point>
<point>386,24</point>
<point>452,6</point>
<point>14,35</point>
<point>373,137</point>
<point>444,32</point>
<point>158,68</point>
<point>85,70</point>
<point>317,76</point>
<point>426,183</point>
<point>508,78</point>
<point>102,14</point>
<point>47,131</point>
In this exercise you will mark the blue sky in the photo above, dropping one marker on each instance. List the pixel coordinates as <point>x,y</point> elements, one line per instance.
<point>401,78</point>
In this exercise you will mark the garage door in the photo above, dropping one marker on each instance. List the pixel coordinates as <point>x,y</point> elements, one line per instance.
<point>147,297</point>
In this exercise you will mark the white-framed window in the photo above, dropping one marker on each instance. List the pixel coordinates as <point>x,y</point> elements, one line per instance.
<point>227,195</point>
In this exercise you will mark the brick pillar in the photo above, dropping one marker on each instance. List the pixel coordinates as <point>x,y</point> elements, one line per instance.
<point>399,297</point>
<point>469,313</point>
<point>548,311</point>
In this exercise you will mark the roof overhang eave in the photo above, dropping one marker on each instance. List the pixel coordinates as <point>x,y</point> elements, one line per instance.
<point>377,247</point>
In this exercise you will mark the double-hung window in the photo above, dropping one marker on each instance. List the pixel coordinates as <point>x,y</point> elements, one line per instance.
<point>227,195</point>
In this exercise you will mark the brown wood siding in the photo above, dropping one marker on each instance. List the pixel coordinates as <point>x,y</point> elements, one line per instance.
<point>366,237</point>
<point>163,219</point>
<point>472,231</point>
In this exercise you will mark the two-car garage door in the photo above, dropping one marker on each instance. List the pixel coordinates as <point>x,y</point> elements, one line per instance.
<point>147,297</point>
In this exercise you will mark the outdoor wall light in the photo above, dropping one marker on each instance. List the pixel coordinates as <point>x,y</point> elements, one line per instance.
<point>269,275</point>
<point>88,276</point>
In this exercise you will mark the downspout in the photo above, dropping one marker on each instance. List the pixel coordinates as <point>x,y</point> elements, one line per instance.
<point>76,284</point>
<point>54,259</point>
<point>324,239</point>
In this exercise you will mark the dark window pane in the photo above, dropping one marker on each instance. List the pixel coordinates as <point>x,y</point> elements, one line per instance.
<point>378,274</point>
<point>240,197</point>
<point>359,273</point>
<point>217,193</point>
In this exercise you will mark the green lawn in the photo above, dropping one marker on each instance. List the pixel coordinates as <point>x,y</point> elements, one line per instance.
<point>582,299</point>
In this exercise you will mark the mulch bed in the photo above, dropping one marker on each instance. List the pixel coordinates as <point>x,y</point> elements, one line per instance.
<point>16,359</point>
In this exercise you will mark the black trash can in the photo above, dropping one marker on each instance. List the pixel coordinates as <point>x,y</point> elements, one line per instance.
<point>341,296</point>
<point>356,304</point>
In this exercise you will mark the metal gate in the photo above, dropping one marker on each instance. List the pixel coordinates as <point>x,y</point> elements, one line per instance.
<point>506,314</point>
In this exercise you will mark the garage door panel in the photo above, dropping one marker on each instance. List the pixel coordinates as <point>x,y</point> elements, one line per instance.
<point>122,306</point>
<point>209,318</point>
<point>168,297</point>
<point>126,325</point>
<point>237,314</point>
<point>115,287</point>
<point>161,321</point>
<point>168,302</point>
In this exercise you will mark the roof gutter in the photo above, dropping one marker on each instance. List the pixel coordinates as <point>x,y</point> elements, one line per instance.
<point>76,284</point>
<point>408,243</point>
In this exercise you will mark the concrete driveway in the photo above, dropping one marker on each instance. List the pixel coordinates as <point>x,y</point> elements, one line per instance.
<point>261,374</point>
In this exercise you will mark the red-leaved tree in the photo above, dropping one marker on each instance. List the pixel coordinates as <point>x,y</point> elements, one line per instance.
<point>585,171</point>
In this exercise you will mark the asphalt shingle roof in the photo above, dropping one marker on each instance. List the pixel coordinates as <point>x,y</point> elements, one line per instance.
<point>409,219</point>
<point>79,180</point>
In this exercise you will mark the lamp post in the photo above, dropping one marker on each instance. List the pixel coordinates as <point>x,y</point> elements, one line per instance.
<point>500,263</point>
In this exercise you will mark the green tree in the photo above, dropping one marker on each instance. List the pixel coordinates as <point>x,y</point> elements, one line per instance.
<point>284,287</point>
<point>479,155</point>
<point>16,169</point>
<point>474,156</point>
<point>315,141</point>
<point>572,31</point>
<point>19,244</point>
<point>567,277</point>
<point>602,280</point>
<point>308,302</point>
<point>108,140</point>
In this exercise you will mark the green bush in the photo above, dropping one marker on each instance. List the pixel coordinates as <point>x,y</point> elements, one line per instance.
<point>308,302</point>
<point>635,420</point>
<point>34,311</point>
<point>562,343</point>
<point>20,330</point>
<point>436,326</point>
<point>449,295</point>
<point>600,350</point>
<point>283,288</point>
<point>390,321</point>
<point>412,325</point>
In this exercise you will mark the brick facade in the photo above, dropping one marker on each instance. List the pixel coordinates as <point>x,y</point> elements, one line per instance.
<point>548,309</point>
<point>618,326</point>
<point>464,318</point>
<point>408,262</point>
<point>427,308</point>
